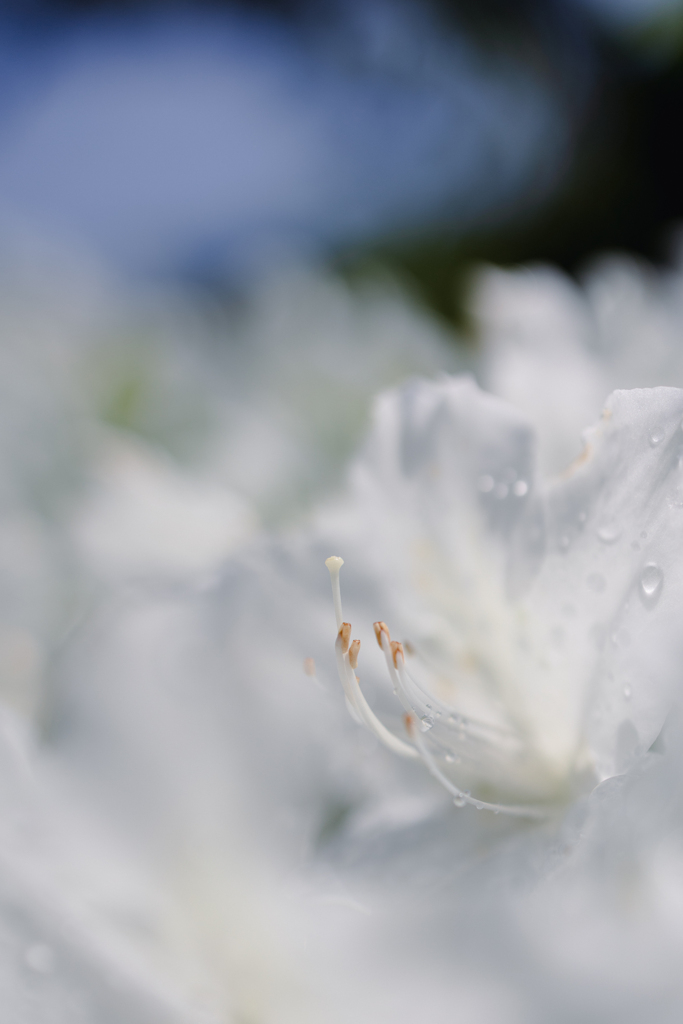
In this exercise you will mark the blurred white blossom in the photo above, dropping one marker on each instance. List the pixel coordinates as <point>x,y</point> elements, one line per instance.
<point>193,828</point>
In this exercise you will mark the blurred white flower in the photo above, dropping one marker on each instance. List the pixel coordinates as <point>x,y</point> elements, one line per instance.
<point>554,349</point>
<point>201,833</point>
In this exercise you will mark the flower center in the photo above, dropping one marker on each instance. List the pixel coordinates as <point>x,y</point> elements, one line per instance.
<point>451,745</point>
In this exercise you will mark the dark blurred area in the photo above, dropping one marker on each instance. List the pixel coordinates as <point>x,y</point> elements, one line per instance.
<point>623,187</point>
<point>609,178</point>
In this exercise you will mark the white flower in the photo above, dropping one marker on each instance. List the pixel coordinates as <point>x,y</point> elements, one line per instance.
<point>541,648</point>
<point>555,349</point>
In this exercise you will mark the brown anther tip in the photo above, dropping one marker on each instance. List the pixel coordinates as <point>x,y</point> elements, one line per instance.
<point>396,648</point>
<point>408,722</point>
<point>309,667</point>
<point>381,627</point>
<point>345,634</point>
<point>353,653</point>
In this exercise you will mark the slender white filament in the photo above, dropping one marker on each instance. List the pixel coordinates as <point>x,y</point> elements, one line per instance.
<point>334,564</point>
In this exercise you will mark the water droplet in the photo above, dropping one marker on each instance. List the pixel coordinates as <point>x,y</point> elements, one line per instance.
<point>454,719</point>
<point>479,806</point>
<point>651,579</point>
<point>485,483</point>
<point>520,488</point>
<point>426,723</point>
<point>609,532</point>
<point>40,958</point>
<point>500,491</point>
<point>459,801</point>
<point>596,582</point>
<point>627,692</point>
<point>450,758</point>
<point>656,437</point>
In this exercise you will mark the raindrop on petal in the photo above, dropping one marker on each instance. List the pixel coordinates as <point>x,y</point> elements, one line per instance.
<point>459,801</point>
<point>520,488</point>
<point>656,437</point>
<point>609,532</point>
<point>651,580</point>
<point>426,723</point>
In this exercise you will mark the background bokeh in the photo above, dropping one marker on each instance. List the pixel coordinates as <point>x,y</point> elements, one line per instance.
<point>224,228</point>
<point>212,141</point>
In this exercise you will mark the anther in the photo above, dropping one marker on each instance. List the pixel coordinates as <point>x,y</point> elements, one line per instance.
<point>381,627</point>
<point>353,654</point>
<point>396,649</point>
<point>408,722</point>
<point>309,667</point>
<point>345,636</point>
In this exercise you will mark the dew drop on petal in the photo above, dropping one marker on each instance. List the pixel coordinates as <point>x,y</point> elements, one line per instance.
<point>450,758</point>
<point>656,437</point>
<point>479,806</point>
<point>426,723</point>
<point>651,579</point>
<point>459,801</point>
<point>609,532</point>
<point>520,488</point>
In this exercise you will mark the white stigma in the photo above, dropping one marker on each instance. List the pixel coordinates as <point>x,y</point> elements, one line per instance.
<point>334,564</point>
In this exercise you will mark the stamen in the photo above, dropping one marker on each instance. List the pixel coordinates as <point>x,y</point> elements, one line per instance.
<point>347,660</point>
<point>359,704</point>
<point>515,810</point>
<point>416,700</point>
<point>345,636</point>
<point>334,564</point>
<point>381,627</point>
<point>309,667</point>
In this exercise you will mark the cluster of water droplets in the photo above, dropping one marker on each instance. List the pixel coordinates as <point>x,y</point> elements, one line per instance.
<point>508,484</point>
